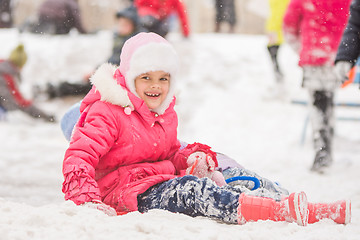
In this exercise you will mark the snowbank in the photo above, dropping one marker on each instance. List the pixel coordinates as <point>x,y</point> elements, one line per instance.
<point>224,101</point>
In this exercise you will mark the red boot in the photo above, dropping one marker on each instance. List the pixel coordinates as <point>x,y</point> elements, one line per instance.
<point>291,209</point>
<point>339,212</point>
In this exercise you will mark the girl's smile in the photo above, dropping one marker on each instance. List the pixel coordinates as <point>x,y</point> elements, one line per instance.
<point>153,87</point>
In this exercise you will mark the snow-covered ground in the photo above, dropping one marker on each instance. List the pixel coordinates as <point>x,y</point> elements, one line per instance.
<point>225,100</point>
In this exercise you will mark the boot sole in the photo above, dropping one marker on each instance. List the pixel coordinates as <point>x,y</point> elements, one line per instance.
<point>298,205</point>
<point>348,212</point>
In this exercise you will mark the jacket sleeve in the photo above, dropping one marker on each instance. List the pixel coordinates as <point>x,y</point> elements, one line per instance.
<point>179,159</point>
<point>274,22</point>
<point>349,48</point>
<point>12,98</point>
<point>94,135</point>
<point>182,14</point>
<point>7,100</point>
<point>292,22</point>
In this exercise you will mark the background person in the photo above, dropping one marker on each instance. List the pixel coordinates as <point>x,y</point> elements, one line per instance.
<point>225,13</point>
<point>314,28</point>
<point>10,96</point>
<point>349,48</point>
<point>154,15</point>
<point>59,17</point>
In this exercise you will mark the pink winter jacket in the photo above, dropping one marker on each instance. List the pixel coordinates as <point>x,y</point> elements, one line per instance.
<point>316,26</point>
<point>119,148</point>
<point>113,156</point>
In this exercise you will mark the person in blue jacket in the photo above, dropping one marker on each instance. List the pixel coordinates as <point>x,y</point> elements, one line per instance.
<point>349,48</point>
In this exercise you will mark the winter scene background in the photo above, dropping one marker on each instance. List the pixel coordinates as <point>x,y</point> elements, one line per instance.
<point>227,99</point>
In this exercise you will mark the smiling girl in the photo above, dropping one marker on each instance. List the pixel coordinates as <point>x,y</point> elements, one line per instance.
<point>124,154</point>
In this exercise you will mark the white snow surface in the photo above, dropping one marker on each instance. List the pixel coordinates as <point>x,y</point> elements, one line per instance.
<point>224,100</point>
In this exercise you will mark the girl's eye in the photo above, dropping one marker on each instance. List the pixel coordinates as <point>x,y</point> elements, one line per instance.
<point>164,79</point>
<point>145,77</point>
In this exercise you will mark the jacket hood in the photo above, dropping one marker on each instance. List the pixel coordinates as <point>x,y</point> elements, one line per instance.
<point>142,53</point>
<point>107,88</point>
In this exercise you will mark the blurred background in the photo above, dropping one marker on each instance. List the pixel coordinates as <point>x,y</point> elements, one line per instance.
<point>99,14</point>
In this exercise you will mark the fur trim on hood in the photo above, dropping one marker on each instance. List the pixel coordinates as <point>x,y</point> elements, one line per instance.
<point>110,91</point>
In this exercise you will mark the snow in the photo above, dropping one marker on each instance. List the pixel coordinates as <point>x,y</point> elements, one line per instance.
<point>224,100</point>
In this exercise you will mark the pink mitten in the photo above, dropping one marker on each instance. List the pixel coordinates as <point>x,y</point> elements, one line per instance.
<point>218,178</point>
<point>99,205</point>
<point>202,165</point>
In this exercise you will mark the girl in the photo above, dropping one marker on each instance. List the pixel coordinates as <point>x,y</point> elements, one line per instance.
<point>124,154</point>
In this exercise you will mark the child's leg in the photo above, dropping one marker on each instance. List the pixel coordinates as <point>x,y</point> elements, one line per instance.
<point>321,83</point>
<point>192,196</point>
<point>321,116</point>
<point>271,189</point>
<point>73,89</point>
<point>201,197</point>
<point>273,51</point>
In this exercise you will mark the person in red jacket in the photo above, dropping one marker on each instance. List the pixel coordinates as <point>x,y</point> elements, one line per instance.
<point>314,29</point>
<point>154,14</point>
<point>124,154</point>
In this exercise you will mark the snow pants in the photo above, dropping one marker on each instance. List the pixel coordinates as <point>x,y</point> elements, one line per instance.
<point>273,51</point>
<point>202,197</point>
<point>322,119</point>
<point>225,11</point>
<point>321,83</point>
<point>194,197</point>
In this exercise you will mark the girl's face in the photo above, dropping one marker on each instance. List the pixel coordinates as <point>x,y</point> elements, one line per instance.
<point>125,26</point>
<point>153,87</point>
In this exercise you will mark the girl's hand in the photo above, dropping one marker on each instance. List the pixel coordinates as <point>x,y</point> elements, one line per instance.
<point>202,165</point>
<point>99,205</point>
